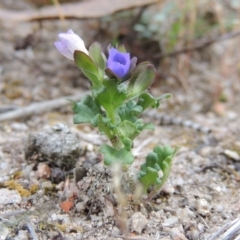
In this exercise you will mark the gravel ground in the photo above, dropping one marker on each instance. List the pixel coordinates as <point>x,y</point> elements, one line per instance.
<point>202,193</point>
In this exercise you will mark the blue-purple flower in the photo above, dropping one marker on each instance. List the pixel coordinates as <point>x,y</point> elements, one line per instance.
<point>119,63</point>
<point>69,43</point>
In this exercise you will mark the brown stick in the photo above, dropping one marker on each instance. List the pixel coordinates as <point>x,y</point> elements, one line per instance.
<point>204,43</point>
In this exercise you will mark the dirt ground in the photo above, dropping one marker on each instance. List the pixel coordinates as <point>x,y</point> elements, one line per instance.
<point>202,193</point>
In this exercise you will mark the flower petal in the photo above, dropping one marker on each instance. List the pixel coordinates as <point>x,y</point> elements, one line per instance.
<point>63,50</point>
<point>118,63</point>
<point>117,69</point>
<point>70,42</point>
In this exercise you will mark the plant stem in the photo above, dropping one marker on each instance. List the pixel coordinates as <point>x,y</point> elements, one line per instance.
<point>115,141</point>
<point>111,115</point>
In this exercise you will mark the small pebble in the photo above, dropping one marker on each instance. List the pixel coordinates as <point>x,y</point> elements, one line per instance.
<point>87,226</point>
<point>203,207</point>
<point>215,219</point>
<point>138,222</point>
<point>90,147</point>
<point>79,173</point>
<point>201,227</point>
<point>27,170</point>
<point>46,184</point>
<point>80,206</point>
<point>43,171</point>
<point>4,178</point>
<point>232,154</point>
<point>19,127</point>
<point>116,231</point>
<point>22,235</point>
<point>4,166</point>
<point>185,214</point>
<point>219,208</point>
<point>170,221</point>
<point>168,189</point>
<point>9,196</point>
<point>194,234</point>
<point>176,234</point>
<point>4,231</point>
<point>57,175</point>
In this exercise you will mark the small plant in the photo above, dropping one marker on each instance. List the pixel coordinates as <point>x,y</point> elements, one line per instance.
<point>118,97</point>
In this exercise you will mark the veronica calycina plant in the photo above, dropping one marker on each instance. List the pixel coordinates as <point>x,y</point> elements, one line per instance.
<point>118,97</point>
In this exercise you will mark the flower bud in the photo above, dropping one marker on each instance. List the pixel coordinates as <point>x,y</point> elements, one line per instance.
<point>70,42</point>
<point>119,63</point>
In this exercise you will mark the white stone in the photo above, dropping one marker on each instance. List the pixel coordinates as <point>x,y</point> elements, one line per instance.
<point>9,196</point>
<point>170,221</point>
<point>22,235</point>
<point>232,154</point>
<point>4,231</point>
<point>203,207</point>
<point>138,222</point>
<point>176,234</point>
<point>115,231</point>
<point>219,208</point>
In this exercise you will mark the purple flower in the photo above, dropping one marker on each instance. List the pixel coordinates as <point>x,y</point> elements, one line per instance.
<point>70,42</point>
<point>119,63</point>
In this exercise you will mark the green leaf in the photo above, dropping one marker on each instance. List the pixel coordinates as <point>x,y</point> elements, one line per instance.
<point>151,159</point>
<point>166,95</point>
<point>112,155</point>
<point>159,159</point>
<point>143,169</point>
<point>146,100</point>
<point>112,75</point>
<point>163,153</point>
<point>149,178</point>
<point>111,95</point>
<point>127,142</point>
<point>98,57</point>
<point>128,129</point>
<point>142,78</point>
<point>166,167</point>
<point>87,66</point>
<point>141,126</point>
<point>121,48</point>
<point>104,125</point>
<point>86,111</point>
<point>137,110</point>
<point>129,111</point>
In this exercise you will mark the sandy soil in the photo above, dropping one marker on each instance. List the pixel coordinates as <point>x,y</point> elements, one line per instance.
<point>202,193</point>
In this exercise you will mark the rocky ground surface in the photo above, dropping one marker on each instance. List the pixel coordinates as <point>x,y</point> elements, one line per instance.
<point>44,157</point>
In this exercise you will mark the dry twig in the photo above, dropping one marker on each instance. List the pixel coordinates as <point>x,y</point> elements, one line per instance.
<point>228,231</point>
<point>79,10</point>
<point>32,231</point>
<point>37,108</point>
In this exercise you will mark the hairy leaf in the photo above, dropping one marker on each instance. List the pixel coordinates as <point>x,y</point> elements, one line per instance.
<point>87,66</point>
<point>112,155</point>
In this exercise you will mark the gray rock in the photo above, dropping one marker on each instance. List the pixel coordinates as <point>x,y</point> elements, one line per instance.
<point>9,196</point>
<point>57,145</point>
